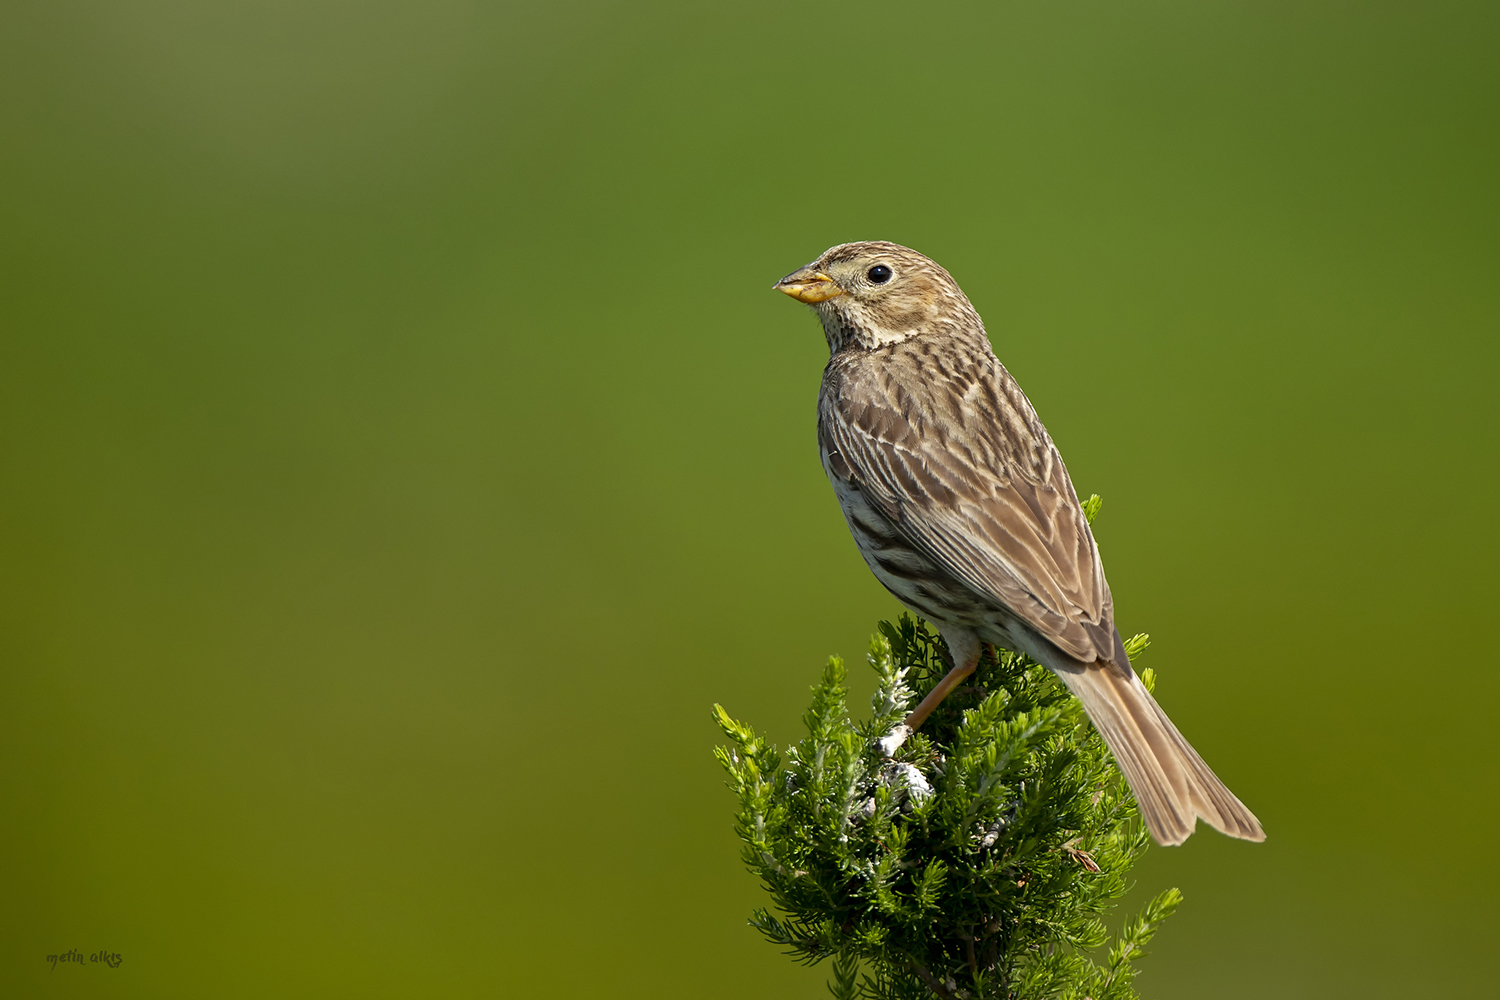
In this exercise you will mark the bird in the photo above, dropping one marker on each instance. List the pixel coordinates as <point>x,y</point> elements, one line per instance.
<point>961,505</point>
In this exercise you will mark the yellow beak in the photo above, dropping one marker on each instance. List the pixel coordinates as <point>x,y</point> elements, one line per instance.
<point>807,285</point>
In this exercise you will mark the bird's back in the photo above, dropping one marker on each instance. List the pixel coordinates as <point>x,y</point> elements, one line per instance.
<point>932,447</point>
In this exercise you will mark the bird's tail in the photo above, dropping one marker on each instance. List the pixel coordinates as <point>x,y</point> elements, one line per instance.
<point>1171,783</point>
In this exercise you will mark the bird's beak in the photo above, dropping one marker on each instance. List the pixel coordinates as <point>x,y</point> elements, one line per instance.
<point>809,285</point>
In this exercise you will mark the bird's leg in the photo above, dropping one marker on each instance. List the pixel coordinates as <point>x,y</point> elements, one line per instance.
<point>965,647</point>
<point>945,687</point>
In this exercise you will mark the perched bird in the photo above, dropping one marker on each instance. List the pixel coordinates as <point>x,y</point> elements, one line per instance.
<point>961,505</point>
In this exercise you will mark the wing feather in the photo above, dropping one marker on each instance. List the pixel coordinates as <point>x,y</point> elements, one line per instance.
<point>969,477</point>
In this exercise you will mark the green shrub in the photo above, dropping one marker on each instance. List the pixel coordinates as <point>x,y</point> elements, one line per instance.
<point>977,862</point>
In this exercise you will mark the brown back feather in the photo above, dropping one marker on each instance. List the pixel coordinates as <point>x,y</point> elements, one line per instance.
<point>945,444</point>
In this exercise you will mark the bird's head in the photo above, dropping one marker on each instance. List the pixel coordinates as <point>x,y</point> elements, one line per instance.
<point>870,295</point>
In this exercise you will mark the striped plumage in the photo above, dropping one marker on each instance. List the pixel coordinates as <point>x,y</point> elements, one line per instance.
<point>961,505</point>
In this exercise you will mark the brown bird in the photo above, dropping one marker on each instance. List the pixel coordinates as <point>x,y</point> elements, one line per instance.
<point>960,503</point>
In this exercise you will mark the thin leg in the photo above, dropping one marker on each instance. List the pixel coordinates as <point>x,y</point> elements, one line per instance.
<point>965,648</point>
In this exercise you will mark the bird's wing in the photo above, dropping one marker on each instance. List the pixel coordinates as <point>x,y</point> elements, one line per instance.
<point>974,482</point>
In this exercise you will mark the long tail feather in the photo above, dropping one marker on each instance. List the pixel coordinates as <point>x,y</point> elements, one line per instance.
<point>1170,781</point>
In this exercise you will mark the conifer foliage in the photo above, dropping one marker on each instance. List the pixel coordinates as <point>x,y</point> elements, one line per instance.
<point>975,862</point>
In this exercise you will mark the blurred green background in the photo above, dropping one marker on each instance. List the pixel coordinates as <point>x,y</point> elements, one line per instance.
<point>401,447</point>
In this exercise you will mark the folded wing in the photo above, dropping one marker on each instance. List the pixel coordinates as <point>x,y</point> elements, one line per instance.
<point>972,480</point>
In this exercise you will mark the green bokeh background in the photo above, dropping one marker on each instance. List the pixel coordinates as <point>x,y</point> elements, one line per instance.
<point>401,447</point>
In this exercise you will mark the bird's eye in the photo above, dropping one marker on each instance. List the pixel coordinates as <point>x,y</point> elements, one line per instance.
<point>879,274</point>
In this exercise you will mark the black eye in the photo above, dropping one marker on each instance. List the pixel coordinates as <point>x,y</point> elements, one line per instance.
<point>879,274</point>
